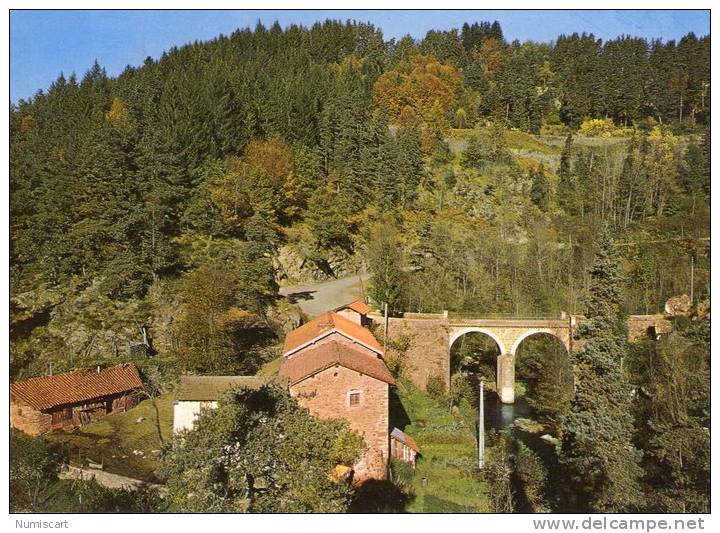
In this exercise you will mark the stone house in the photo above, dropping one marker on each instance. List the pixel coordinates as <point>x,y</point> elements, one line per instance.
<point>196,393</point>
<point>355,312</point>
<point>334,367</point>
<point>64,401</point>
<point>403,447</point>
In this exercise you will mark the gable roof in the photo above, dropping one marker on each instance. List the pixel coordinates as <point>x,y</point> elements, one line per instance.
<point>324,325</point>
<point>404,438</point>
<point>359,306</point>
<point>75,387</point>
<point>329,354</point>
<point>211,388</point>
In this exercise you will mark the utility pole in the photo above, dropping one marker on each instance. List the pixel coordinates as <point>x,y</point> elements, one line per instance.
<point>692,278</point>
<point>481,427</point>
<point>385,334</point>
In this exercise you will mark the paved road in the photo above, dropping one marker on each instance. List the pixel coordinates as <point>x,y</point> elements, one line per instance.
<point>317,298</point>
<point>107,479</point>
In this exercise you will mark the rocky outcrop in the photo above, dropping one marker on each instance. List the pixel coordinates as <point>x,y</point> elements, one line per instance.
<point>296,265</point>
<point>702,310</point>
<point>285,316</point>
<point>678,306</point>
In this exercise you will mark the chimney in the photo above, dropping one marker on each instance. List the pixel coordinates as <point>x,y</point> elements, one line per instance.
<point>98,369</point>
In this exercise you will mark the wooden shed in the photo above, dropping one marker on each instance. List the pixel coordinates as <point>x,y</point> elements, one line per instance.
<point>403,447</point>
<point>49,403</point>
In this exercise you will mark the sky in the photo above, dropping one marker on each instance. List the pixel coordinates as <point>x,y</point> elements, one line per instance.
<point>45,43</point>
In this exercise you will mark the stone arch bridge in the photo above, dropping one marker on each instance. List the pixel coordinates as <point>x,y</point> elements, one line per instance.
<point>430,337</point>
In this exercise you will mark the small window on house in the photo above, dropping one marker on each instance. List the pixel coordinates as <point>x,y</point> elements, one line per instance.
<point>354,398</point>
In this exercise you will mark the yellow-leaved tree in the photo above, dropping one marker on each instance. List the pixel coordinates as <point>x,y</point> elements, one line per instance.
<point>420,84</point>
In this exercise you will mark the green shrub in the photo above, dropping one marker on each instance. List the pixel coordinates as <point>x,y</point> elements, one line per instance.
<point>435,387</point>
<point>401,473</point>
<point>533,478</point>
<point>34,467</point>
<point>554,130</point>
<point>460,389</point>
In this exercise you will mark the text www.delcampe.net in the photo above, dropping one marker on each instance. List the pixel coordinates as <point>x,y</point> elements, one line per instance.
<point>624,524</point>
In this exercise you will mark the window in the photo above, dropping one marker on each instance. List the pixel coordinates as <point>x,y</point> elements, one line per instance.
<point>354,398</point>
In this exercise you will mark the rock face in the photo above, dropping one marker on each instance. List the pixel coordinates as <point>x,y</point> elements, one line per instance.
<point>286,315</point>
<point>528,425</point>
<point>295,265</point>
<point>678,306</point>
<point>702,310</point>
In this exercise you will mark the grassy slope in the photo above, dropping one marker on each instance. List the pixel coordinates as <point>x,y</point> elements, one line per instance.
<point>516,140</point>
<point>446,478</point>
<point>113,439</point>
<point>524,146</point>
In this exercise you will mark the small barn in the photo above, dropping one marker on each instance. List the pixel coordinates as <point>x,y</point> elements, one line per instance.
<point>64,401</point>
<point>355,312</point>
<point>196,393</point>
<point>403,447</point>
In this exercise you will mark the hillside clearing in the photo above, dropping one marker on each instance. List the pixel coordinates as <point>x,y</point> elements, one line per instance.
<point>124,443</point>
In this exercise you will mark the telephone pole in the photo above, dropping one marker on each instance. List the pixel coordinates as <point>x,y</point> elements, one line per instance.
<point>692,278</point>
<point>385,324</point>
<point>481,427</point>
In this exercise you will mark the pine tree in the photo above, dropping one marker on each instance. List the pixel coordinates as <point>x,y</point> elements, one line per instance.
<point>257,288</point>
<point>540,190</point>
<point>567,191</point>
<point>385,260</point>
<point>409,163</point>
<point>602,465</point>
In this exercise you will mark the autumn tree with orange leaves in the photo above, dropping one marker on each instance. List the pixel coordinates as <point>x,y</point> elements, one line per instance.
<point>418,85</point>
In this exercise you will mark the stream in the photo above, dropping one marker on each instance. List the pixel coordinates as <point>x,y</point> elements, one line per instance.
<point>502,417</point>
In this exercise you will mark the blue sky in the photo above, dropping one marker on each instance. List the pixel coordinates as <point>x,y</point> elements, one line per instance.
<point>45,43</point>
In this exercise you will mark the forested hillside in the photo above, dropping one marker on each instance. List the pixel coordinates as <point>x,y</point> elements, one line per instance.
<point>158,211</point>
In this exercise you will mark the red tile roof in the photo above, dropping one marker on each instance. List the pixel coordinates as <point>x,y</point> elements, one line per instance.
<point>358,306</point>
<point>324,325</point>
<point>75,387</point>
<point>318,358</point>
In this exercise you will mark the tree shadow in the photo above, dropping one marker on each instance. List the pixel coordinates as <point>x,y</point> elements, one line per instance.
<point>399,417</point>
<point>295,297</point>
<point>379,496</point>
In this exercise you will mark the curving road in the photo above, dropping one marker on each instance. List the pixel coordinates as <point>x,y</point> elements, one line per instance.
<point>316,298</point>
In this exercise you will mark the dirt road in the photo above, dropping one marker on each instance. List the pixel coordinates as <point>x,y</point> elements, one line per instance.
<point>317,298</point>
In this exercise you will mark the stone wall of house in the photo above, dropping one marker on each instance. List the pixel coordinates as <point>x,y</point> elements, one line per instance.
<point>29,420</point>
<point>428,353</point>
<point>352,316</point>
<point>327,396</point>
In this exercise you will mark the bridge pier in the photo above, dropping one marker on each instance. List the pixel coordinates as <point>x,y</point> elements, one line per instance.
<point>505,376</point>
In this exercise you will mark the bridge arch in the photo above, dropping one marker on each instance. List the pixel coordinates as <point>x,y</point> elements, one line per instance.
<point>564,340</point>
<point>504,362</point>
<point>455,335</point>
